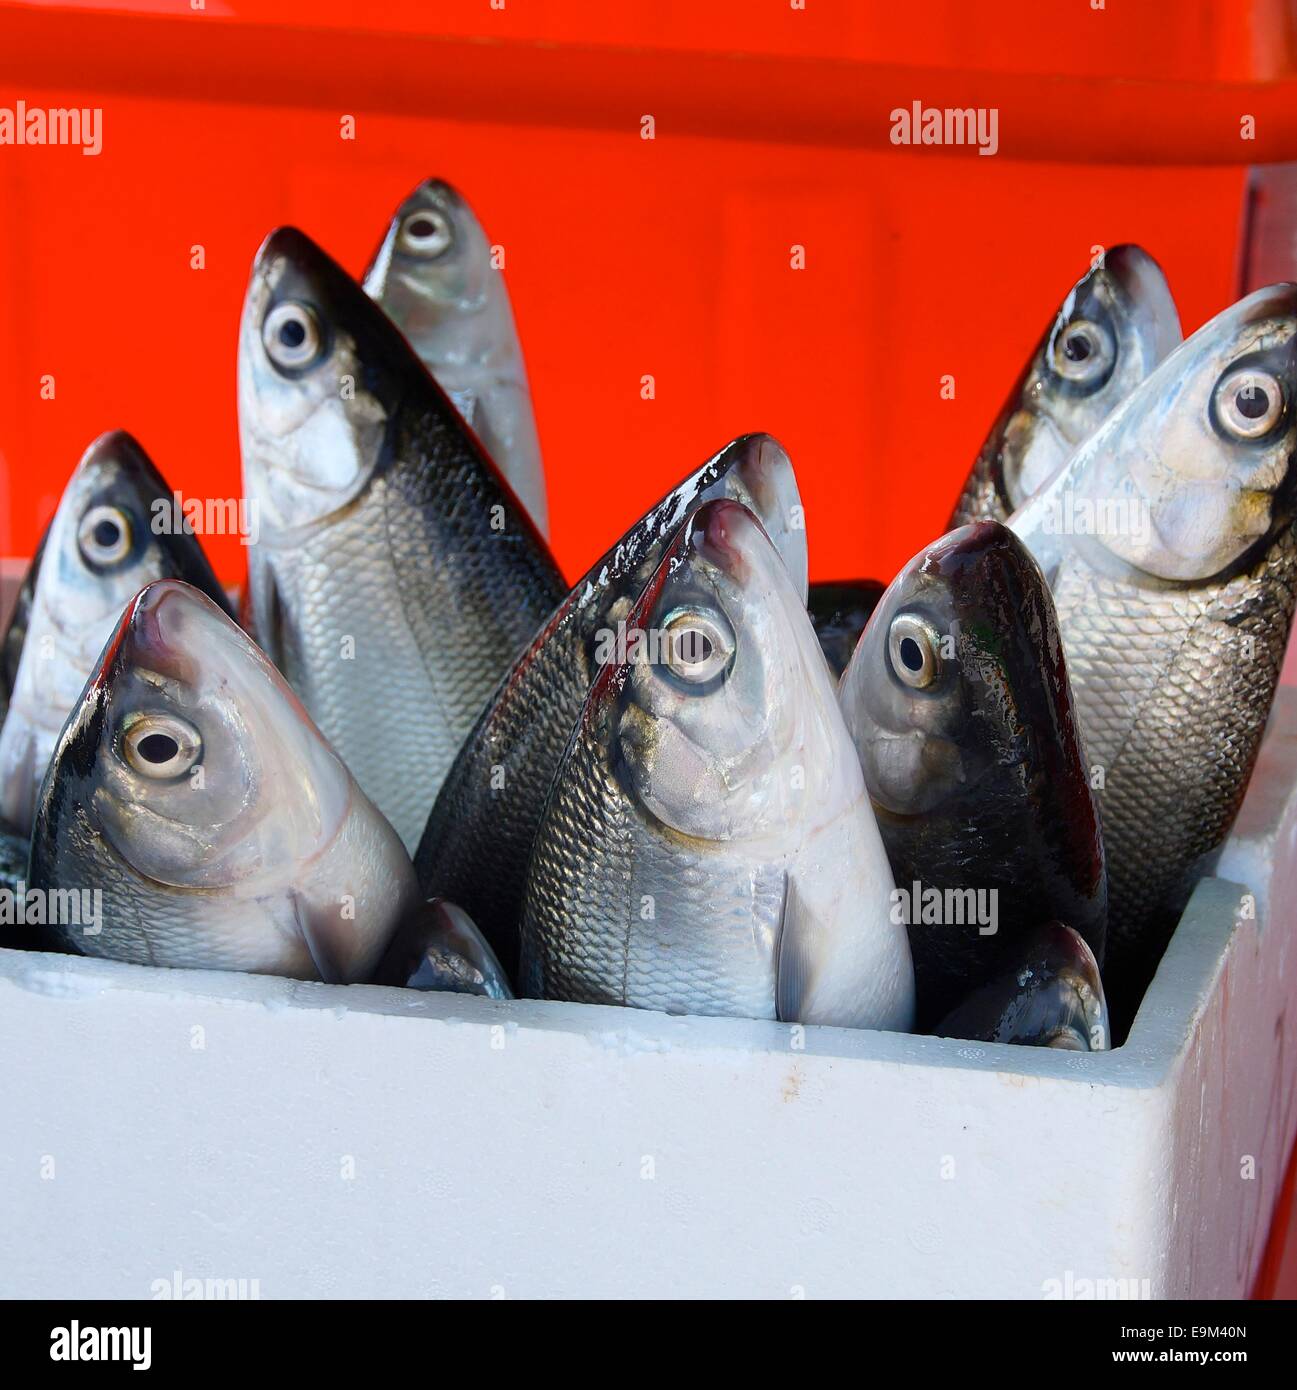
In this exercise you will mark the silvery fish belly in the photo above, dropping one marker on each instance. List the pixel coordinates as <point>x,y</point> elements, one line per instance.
<point>1116,325</point>
<point>395,577</point>
<point>1169,544</point>
<point>707,846</point>
<point>434,275</point>
<point>1048,994</point>
<point>958,701</point>
<point>198,819</point>
<point>113,533</point>
<point>475,848</point>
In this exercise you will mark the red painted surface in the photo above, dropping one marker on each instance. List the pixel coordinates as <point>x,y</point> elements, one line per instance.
<point>625,257</point>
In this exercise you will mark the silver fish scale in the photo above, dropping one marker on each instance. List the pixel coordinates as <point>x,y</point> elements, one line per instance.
<point>523,732</point>
<point>1173,711</point>
<point>437,605</point>
<point>980,499</point>
<point>709,947</point>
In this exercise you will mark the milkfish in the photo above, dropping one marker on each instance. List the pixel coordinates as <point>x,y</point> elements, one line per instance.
<point>435,276</point>
<point>395,577</point>
<point>958,701</point>
<point>192,792</point>
<point>1169,545</point>
<point>707,846</point>
<point>1117,323</point>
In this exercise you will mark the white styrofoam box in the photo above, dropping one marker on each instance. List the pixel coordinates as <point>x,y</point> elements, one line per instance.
<point>312,1140</point>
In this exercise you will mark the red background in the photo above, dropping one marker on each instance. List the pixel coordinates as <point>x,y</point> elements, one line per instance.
<point>624,256</point>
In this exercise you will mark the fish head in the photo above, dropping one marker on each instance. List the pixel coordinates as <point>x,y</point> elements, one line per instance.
<point>321,372</point>
<point>940,688</point>
<point>1050,995</point>
<point>1194,471</point>
<point>110,536</point>
<point>725,702</point>
<point>756,471</point>
<point>1116,325</point>
<point>193,762</point>
<point>434,264</point>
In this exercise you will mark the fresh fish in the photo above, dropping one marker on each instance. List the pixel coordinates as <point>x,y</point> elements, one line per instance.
<point>1048,995</point>
<point>440,949</point>
<point>957,700</point>
<point>707,847</point>
<point>435,278</point>
<point>395,577</point>
<point>1168,541</point>
<point>839,610</point>
<point>222,831</point>
<point>15,636</point>
<point>1116,325</point>
<point>100,550</point>
<point>14,849</point>
<point>475,848</point>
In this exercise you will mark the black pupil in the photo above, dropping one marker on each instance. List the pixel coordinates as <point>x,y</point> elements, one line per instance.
<point>422,228</point>
<point>911,654</point>
<point>1076,347</point>
<point>157,748</point>
<point>292,333</point>
<point>107,534</point>
<point>694,647</point>
<point>1252,402</point>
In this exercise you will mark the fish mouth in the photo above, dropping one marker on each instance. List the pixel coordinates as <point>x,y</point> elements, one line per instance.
<point>912,771</point>
<point>768,485</point>
<point>1144,287</point>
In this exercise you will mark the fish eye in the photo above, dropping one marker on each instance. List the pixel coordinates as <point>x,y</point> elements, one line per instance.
<point>104,536</point>
<point>1248,403</point>
<point>914,646</point>
<point>1083,352</point>
<point>291,335</point>
<point>161,746</point>
<point>698,646</point>
<point>425,233</point>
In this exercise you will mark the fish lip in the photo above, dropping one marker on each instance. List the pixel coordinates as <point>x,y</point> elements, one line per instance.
<point>1143,283</point>
<point>767,473</point>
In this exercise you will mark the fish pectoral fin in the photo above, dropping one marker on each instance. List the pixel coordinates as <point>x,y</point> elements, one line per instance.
<point>323,930</point>
<point>794,969</point>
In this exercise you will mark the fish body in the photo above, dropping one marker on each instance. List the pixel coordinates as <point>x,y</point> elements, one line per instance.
<point>190,788</point>
<point>395,577</point>
<point>440,948</point>
<point>959,705</point>
<point>1047,994</point>
<point>1168,542</point>
<point>707,846</point>
<point>100,550</point>
<point>1117,323</point>
<point>435,278</point>
<point>15,636</point>
<point>478,838</point>
<point>14,850</point>
<point>839,610</point>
